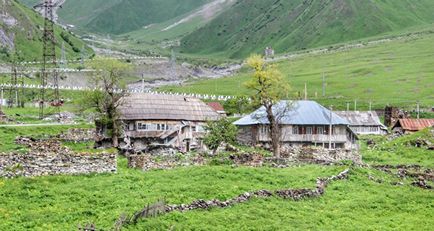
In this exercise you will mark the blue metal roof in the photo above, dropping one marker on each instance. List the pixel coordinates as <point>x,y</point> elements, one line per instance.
<point>294,113</point>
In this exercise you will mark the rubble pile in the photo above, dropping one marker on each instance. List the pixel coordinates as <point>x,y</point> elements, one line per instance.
<point>420,175</point>
<point>247,159</point>
<point>320,155</point>
<point>50,157</point>
<point>78,135</point>
<point>149,162</point>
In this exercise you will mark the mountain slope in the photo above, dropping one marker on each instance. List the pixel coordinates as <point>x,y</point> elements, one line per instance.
<point>21,30</point>
<point>251,25</point>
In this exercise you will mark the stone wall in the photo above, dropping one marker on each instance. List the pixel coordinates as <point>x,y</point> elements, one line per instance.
<point>319,154</point>
<point>50,157</point>
<point>42,164</point>
<point>148,162</point>
<point>78,135</point>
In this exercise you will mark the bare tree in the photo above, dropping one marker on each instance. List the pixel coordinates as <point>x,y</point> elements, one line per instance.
<point>269,88</point>
<point>107,96</point>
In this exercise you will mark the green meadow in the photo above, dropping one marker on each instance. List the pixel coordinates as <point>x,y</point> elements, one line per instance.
<point>359,203</point>
<point>399,73</point>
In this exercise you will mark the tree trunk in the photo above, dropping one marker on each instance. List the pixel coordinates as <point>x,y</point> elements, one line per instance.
<point>115,136</point>
<point>275,131</point>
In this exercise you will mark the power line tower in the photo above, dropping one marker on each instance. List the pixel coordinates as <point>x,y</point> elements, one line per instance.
<point>49,57</point>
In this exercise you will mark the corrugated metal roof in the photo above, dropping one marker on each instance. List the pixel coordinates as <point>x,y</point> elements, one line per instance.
<point>145,106</point>
<point>359,118</point>
<point>415,124</point>
<point>216,106</point>
<point>294,112</point>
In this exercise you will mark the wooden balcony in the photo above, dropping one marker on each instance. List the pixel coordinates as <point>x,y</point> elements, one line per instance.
<point>308,138</point>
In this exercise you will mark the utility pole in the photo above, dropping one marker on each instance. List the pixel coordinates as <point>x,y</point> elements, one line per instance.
<point>173,62</point>
<point>63,60</point>
<point>143,83</point>
<point>323,85</point>
<point>331,127</point>
<point>348,106</point>
<point>355,105</point>
<point>305,91</point>
<point>13,90</point>
<point>1,98</point>
<point>82,55</point>
<point>370,105</point>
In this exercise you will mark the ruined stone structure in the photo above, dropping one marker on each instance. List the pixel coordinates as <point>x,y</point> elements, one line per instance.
<point>49,157</point>
<point>392,115</point>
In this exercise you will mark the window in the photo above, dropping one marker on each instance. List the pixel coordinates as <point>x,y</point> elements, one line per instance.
<point>309,130</point>
<point>142,126</point>
<point>320,130</point>
<point>265,129</point>
<point>295,130</point>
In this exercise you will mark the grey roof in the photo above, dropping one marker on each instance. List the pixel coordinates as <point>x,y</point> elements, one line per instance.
<point>294,113</point>
<point>147,106</point>
<point>358,118</point>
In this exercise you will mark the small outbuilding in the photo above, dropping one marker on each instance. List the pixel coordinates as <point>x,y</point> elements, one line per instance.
<point>364,123</point>
<point>218,107</point>
<point>407,126</point>
<point>303,123</point>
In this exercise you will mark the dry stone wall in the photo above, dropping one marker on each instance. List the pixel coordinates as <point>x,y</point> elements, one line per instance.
<point>50,157</point>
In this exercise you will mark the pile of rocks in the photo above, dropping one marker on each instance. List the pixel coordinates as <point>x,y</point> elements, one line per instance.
<point>50,157</point>
<point>42,146</point>
<point>320,155</point>
<point>77,135</point>
<point>420,175</point>
<point>247,159</point>
<point>149,162</point>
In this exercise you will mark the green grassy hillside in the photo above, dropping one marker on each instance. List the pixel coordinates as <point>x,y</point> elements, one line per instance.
<point>26,33</point>
<point>398,72</point>
<point>251,25</point>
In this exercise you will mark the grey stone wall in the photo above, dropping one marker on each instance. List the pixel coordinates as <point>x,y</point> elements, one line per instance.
<point>42,164</point>
<point>319,154</point>
<point>78,135</point>
<point>50,157</point>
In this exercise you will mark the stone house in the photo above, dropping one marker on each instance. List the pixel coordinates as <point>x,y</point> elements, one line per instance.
<point>303,124</point>
<point>153,121</point>
<point>408,126</point>
<point>364,123</point>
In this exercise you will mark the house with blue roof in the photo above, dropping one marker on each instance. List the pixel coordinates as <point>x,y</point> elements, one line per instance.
<point>303,123</point>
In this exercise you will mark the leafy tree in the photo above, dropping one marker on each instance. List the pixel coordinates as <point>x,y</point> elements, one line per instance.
<point>219,132</point>
<point>106,99</point>
<point>237,105</point>
<point>269,88</point>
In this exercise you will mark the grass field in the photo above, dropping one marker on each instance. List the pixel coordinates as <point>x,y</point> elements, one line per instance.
<point>9,134</point>
<point>400,73</point>
<point>400,150</point>
<point>63,202</point>
<point>359,203</point>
